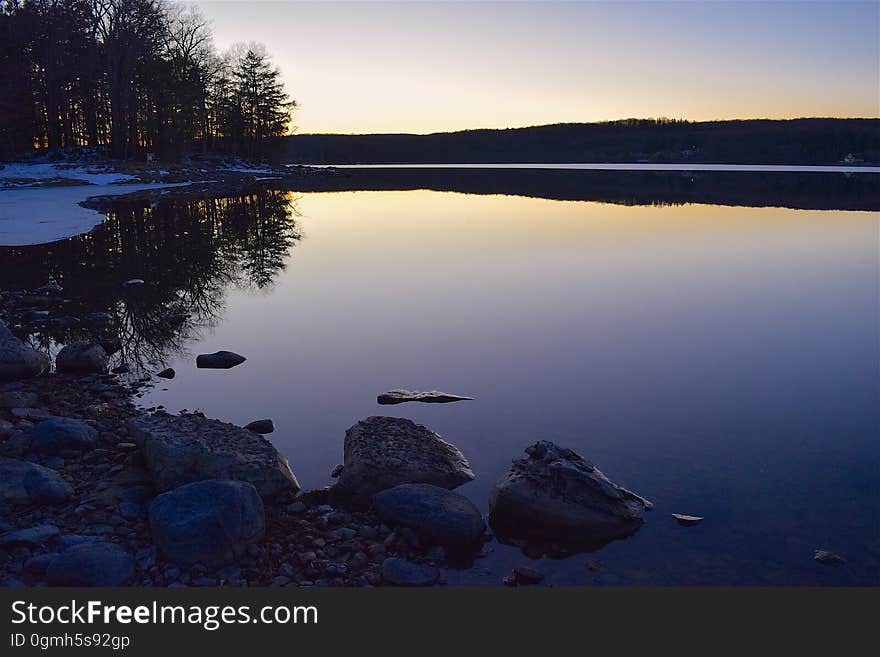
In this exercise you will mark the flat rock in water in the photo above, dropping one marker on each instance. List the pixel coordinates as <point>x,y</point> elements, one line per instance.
<point>439,515</point>
<point>261,426</point>
<point>686,520</point>
<point>167,373</point>
<point>554,495</point>
<point>58,434</point>
<point>91,564</point>
<point>179,449</point>
<point>211,522</point>
<point>82,358</point>
<point>25,482</point>
<point>400,572</point>
<point>383,452</point>
<point>17,360</point>
<point>134,282</point>
<point>219,360</point>
<point>30,536</point>
<point>399,396</point>
<point>827,558</point>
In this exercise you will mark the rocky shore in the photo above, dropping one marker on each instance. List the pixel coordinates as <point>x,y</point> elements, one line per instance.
<point>95,491</point>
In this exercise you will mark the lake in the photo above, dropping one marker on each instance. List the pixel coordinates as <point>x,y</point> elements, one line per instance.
<point>709,340</point>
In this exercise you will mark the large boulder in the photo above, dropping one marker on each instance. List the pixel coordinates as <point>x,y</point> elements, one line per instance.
<point>180,449</point>
<point>82,358</point>
<point>400,572</point>
<point>383,452</point>
<point>91,564</point>
<point>24,482</point>
<point>210,522</point>
<point>439,515</point>
<point>17,360</point>
<point>555,496</point>
<point>58,434</point>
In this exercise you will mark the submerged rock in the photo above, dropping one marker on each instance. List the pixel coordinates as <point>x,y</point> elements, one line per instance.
<point>686,520</point>
<point>82,358</point>
<point>383,452</point>
<point>399,396</point>
<point>439,515</point>
<point>17,360</point>
<point>93,563</point>
<point>58,434</point>
<point>211,522</point>
<point>400,572</point>
<point>25,482</point>
<point>179,449</point>
<point>554,495</point>
<point>219,360</point>
<point>261,426</point>
<point>827,558</point>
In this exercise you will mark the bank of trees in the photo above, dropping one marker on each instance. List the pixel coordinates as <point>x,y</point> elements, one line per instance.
<point>132,76</point>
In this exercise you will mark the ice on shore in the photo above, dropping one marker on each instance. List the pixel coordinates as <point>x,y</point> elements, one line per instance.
<point>38,215</point>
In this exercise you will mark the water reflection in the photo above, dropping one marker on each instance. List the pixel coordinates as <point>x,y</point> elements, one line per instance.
<point>190,252</point>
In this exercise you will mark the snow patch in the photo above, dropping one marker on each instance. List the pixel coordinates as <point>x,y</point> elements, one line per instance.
<point>38,215</point>
<point>92,175</point>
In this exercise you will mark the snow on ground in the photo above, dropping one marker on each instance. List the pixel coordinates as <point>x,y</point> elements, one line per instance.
<point>38,215</point>
<point>94,175</point>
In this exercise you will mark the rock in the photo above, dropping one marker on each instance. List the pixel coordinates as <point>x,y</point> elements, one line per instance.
<point>555,495</point>
<point>58,434</point>
<point>437,514</point>
<point>179,449</point>
<point>98,319</point>
<point>400,396</point>
<point>17,360</point>
<point>827,558</point>
<point>336,472</point>
<point>69,540</point>
<point>400,572</point>
<point>168,373</point>
<point>121,369</point>
<point>383,452</point>
<point>212,522</point>
<point>686,521</point>
<point>30,536</point>
<point>37,565</point>
<point>31,414</point>
<point>261,426</point>
<point>296,507</point>
<point>18,399</point>
<point>527,576</point>
<point>91,564</point>
<point>134,282</point>
<point>82,358</point>
<point>5,428</point>
<point>220,360</point>
<point>24,482</point>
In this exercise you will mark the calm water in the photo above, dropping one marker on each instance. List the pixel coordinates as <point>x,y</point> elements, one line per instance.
<point>720,360</point>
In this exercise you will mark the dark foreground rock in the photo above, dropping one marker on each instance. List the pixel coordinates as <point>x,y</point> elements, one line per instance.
<point>400,572</point>
<point>210,522</point>
<point>261,426</point>
<point>17,360</point>
<point>82,358</point>
<point>179,449</point>
<point>400,396</point>
<point>93,563</point>
<point>220,360</point>
<point>383,452</point>
<point>58,434</point>
<point>554,495</point>
<point>25,482</point>
<point>439,515</point>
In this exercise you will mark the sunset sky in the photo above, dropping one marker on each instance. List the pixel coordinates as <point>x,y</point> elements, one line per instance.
<point>423,67</point>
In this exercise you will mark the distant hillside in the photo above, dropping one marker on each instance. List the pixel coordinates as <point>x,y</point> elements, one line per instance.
<point>796,141</point>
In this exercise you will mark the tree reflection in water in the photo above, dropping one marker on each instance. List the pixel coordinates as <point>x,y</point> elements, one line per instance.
<point>189,252</point>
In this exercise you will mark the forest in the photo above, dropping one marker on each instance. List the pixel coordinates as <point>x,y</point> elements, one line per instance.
<point>131,77</point>
<point>758,141</point>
